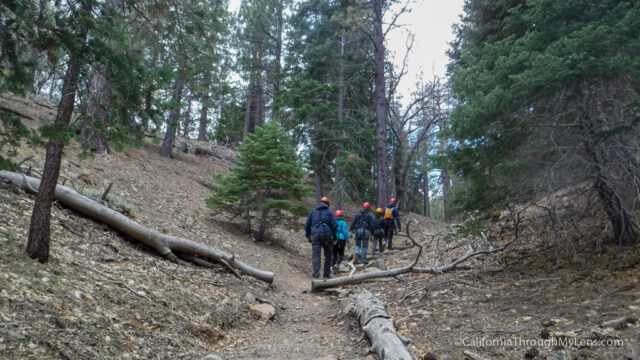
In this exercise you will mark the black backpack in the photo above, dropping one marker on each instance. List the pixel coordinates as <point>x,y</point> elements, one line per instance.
<point>362,223</point>
<point>321,227</point>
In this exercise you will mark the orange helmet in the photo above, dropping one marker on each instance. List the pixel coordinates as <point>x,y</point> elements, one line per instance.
<point>366,206</point>
<point>337,213</point>
<point>393,200</point>
<point>379,210</point>
<point>324,200</point>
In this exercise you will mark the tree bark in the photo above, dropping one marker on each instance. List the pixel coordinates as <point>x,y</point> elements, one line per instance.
<point>621,221</point>
<point>164,244</point>
<point>381,104</point>
<point>174,116</point>
<point>202,128</point>
<point>317,181</point>
<point>379,327</point>
<point>278,53</point>
<point>259,121</point>
<point>340,193</point>
<point>186,121</point>
<point>262,227</point>
<point>619,217</point>
<point>426,203</point>
<point>100,96</point>
<point>249,125</point>
<point>446,182</point>
<point>40,228</point>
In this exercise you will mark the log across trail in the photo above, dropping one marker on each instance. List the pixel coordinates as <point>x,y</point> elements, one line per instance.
<point>167,245</point>
<point>379,328</point>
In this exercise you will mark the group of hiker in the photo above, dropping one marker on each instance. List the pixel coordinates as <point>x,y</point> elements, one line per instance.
<point>327,232</point>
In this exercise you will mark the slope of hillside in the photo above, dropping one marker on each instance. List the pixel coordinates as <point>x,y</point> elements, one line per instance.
<point>105,296</point>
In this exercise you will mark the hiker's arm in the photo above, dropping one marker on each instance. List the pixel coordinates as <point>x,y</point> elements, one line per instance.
<point>307,227</point>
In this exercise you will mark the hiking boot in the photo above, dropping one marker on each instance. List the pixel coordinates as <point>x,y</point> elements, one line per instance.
<point>335,268</point>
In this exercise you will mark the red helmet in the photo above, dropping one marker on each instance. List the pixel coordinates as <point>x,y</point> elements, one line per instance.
<point>324,200</point>
<point>338,213</point>
<point>366,206</point>
<point>393,200</point>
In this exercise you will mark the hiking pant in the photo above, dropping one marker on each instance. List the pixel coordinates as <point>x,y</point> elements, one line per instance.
<point>362,243</point>
<point>388,235</point>
<point>338,253</point>
<point>319,243</point>
<point>377,240</point>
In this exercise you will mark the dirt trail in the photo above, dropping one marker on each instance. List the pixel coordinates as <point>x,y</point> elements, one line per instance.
<point>310,325</point>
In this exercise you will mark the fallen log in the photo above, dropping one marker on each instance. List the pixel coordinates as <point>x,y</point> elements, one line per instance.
<point>379,328</point>
<point>317,285</point>
<point>454,264</point>
<point>164,244</point>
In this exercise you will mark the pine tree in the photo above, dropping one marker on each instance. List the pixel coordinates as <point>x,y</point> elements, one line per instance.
<point>267,178</point>
<point>548,96</point>
<point>327,96</point>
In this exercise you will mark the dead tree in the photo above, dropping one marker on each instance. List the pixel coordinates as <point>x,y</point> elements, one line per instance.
<point>167,245</point>
<point>379,328</point>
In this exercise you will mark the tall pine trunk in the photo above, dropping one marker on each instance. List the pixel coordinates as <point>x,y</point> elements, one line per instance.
<point>446,182</point>
<point>40,227</point>
<point>381,104</point>
<point>262,227</point>
<point>249,125</point>
<point>317,181</point>
<point>340,193</point>
<point>186,121</point>
<point>278,56</point>
<point>100,96</point>
<point>174,116</point>
<point>425,197</point>
<point>202,128</point>
<point>259,120</point>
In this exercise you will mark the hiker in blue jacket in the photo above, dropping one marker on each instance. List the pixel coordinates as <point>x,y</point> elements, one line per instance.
<point>340,242</point>
<point>362,227</point>
<point>320,230</point>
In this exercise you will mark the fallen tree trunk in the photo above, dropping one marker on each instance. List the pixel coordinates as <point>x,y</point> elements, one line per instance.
<point>317,285</point>
<point>378,325</point>
<point>164,244</point>
<point>452,265</point>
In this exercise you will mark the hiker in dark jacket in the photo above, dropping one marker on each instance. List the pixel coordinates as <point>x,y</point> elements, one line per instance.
<point>391,218</point>
<point>362,227</point>
<point>378,231</point>
<point>320,230</point>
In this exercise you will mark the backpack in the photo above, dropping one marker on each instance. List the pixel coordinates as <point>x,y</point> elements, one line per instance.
<point>322,225</point>
<point>362,223</point>
<point>379,232</point>
<point>388,213</point>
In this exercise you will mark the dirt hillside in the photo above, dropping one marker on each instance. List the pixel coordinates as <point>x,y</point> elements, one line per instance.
<point>103,296</point>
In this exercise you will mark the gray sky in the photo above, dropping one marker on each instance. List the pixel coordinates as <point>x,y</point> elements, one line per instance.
<point>430,21</point>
